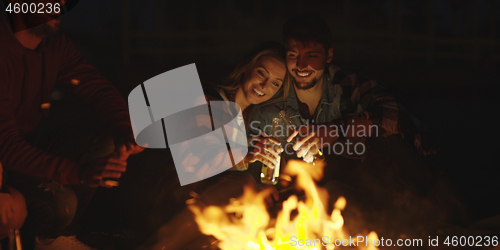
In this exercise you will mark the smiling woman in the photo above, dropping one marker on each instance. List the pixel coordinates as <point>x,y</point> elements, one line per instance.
<point>263,80</point>
<point>260,77</point>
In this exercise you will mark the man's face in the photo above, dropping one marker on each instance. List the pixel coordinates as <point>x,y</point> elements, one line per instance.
<point>307,62</point>
<point>46,22</point>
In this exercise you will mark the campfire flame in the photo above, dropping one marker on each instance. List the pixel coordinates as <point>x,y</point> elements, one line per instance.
<point>246,224</point>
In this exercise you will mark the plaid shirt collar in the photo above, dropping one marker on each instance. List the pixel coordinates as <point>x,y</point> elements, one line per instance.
<point>328,93</point>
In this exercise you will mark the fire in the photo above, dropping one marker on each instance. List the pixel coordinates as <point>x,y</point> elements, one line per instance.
<point>246,224</point>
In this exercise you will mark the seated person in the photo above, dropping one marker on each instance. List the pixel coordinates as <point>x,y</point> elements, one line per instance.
<point>359,126</point>
<point>259,78</point>
<point>326,100</point>
<point>55,166</point>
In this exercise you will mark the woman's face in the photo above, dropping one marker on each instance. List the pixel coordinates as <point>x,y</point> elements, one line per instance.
<point>263,79</point>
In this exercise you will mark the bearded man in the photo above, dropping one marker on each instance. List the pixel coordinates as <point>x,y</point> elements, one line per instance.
<point>344,116</point>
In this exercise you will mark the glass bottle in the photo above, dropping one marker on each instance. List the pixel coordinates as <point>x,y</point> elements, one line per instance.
<point>14,240</point>
<point>269,174</point>
<point>291,128</point>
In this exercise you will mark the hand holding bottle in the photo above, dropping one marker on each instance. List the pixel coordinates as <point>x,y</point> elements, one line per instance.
<point>309,151</point>
<point>264,149</point>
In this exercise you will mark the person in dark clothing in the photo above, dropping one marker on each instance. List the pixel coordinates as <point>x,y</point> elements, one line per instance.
<point>324,94</point>
<point>56,173</point>
<point>335,110</point>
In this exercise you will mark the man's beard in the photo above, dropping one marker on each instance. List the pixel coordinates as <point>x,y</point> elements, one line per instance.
<point>40,26</point>
<point>43,30</point>
<point>304,87</point>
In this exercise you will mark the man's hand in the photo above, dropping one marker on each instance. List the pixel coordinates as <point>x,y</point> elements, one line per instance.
<point>112,168</point>
<point>94,174</point>
<point>6,208</point>
<point>125,150</point>
<point>264,149</point>
<point>311,138</point>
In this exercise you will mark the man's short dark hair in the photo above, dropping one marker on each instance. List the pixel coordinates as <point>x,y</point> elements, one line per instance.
<point>308,28</point>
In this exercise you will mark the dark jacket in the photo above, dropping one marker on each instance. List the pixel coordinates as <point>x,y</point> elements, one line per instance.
<point>27,78</point>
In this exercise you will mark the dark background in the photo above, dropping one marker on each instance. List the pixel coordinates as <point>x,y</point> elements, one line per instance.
<point>441,58</point>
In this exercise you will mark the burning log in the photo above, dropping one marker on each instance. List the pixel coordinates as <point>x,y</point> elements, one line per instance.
<point>246,224</point>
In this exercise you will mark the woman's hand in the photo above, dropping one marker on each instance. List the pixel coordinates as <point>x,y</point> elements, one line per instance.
<point>264,149</point>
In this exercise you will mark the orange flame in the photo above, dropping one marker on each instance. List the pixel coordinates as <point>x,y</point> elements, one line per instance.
<point>246,224</point>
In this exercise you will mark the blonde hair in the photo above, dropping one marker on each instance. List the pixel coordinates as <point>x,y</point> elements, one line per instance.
<point>273,49</point>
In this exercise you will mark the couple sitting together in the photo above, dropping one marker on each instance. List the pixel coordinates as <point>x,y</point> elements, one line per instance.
<point>324,103</point>
<point>298,82</point>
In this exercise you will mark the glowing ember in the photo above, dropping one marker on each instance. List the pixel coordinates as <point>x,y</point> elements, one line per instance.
<point>246,224</point>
